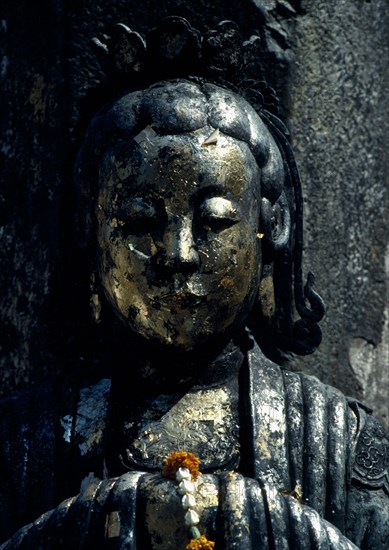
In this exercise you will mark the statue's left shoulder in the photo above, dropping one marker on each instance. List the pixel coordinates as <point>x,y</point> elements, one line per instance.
<point>371,458</point>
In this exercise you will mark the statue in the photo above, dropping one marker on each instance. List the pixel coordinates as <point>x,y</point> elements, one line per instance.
<point>190,211</point>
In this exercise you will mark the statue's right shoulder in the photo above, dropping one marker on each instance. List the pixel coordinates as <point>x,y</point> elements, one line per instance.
<point>49,440</point>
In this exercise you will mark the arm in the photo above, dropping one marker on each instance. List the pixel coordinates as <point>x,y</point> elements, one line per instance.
<point>368,502</point>
<point>103,510</point>
<point>235,511</point>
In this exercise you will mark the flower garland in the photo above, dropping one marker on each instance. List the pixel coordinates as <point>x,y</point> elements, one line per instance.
<point>184,468</point>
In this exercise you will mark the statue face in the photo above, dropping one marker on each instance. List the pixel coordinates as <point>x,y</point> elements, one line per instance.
<point>179,254</point>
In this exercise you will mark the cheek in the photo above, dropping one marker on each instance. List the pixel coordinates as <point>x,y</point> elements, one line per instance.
<point>122,268</point>
<point>233,257</point>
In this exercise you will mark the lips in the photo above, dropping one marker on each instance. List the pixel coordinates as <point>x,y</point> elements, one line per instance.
<point>181,298</point>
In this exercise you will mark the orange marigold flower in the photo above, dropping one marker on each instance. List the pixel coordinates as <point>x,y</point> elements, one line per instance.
<point>180,459</point>
<point>200,544</point>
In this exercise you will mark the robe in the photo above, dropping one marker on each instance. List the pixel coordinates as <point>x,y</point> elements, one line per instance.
<point>312,473</point>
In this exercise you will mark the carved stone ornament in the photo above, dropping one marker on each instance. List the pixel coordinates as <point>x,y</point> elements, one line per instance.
<point>175,49</point>
<point>371,466</point>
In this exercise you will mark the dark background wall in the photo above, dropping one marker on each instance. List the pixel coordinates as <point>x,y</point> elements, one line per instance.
<point>335,101</point>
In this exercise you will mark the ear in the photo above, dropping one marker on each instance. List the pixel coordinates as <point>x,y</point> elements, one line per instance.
<point>275,222</point>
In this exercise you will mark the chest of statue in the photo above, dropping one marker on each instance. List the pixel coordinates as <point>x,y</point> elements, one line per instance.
<point>204,422</point>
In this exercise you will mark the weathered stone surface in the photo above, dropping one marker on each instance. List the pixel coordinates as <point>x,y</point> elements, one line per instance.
<point>339,122</point>
<point>337,105</point>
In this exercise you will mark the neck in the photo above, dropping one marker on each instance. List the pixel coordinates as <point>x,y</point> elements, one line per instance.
<point>154,392</point>
<point>156,371</point>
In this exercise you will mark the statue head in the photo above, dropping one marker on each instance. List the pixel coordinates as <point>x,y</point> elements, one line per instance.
<point>181,171</point>
<point>184,200</point>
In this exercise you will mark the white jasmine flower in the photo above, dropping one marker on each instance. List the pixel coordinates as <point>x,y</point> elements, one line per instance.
<point>191,518</point>
<point>188,501</point>
<point>186,486</point>
<point>183,473</point>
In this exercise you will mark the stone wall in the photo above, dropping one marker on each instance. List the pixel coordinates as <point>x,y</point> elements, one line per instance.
<point>339,97</point>
<point>334,101</point>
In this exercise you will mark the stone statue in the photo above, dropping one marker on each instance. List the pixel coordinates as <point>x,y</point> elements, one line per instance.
<point>190,213</point>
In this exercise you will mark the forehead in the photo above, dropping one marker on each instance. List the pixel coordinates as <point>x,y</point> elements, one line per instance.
<point>178,163</point>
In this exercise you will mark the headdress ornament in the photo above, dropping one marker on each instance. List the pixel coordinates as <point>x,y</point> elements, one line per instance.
<point>175,49</point>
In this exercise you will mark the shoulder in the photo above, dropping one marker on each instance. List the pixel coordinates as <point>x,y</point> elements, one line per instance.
<point>85,427</point>
<point>312,412</point>
<point>50,438</point>
<point>61,411</point>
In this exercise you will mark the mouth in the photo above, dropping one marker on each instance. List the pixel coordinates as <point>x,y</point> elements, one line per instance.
<point>182,289</point>
<point>181,298</point>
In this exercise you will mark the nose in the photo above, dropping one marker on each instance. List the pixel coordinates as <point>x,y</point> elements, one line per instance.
<point>179,252</point>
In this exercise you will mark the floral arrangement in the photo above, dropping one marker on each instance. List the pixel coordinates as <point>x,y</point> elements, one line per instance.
<point>183,467</point>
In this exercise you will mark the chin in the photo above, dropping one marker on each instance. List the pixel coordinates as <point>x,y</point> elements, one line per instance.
<point>194,342</point>
<point>193,331</point>
<point>181,344</point>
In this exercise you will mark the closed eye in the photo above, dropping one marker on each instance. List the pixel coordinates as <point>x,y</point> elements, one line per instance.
<point>218,213</point>
<point>140,215</point>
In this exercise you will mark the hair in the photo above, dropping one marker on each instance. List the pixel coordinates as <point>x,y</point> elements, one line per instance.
<point>176,106</point>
